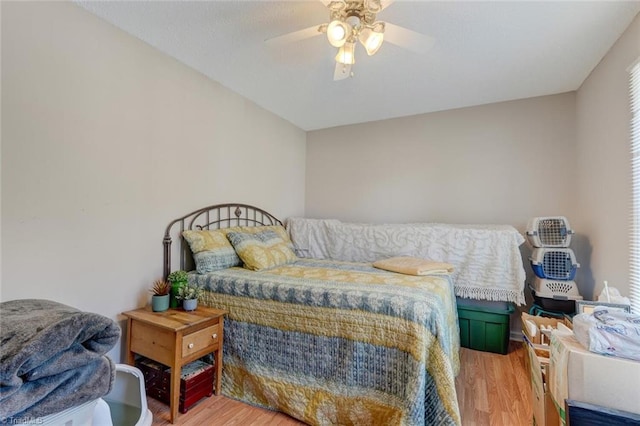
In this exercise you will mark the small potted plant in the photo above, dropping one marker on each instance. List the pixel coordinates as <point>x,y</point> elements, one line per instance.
<point>177,279</point>
<point>189,294</point>
<point>160,298</point>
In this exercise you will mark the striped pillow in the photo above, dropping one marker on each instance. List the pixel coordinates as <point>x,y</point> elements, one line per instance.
<point>261,250</point>
<point>278,229</point>
<point>211,250</point>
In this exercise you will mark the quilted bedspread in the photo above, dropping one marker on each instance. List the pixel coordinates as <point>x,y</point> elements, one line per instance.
<point>332,342</point>
<point>487,259</point>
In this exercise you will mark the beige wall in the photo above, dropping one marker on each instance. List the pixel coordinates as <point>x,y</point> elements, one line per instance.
<point>499,163</point>
<point>104,141</point>
<point>603,165</point>
<point>564,154</point>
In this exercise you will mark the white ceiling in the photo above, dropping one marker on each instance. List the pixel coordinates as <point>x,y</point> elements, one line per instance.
<point>484,52</point>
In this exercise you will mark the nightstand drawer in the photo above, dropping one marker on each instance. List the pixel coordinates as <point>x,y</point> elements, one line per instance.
<point>205,338</point>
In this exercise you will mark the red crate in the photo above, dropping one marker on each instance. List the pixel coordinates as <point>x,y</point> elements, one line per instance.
<point>196,382</point>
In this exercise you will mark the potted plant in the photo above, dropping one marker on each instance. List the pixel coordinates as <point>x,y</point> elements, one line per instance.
<point>177,279</point>
<point>160,298</point>
<point>189,294</point>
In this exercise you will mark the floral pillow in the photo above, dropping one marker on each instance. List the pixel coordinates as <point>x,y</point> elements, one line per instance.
<point>264,249</point>
<point>211,250</point>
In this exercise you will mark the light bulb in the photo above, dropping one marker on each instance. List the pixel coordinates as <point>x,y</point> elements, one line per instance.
<point>338,32</point>
<point>346,54</point>
<point>371,40</point>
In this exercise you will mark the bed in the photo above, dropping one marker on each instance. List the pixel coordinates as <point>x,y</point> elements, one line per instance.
<point>327,342</point>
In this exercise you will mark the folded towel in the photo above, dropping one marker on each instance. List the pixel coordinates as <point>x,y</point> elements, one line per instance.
<point>414,266</point>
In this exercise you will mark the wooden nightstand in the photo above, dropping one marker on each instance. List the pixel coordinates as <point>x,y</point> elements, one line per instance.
<point>175,338</point>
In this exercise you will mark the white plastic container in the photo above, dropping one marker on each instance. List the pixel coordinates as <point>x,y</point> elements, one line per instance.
<point>127,401</point>
<point>80,415</point>
<point>549,231</point>
<point>556,295</point>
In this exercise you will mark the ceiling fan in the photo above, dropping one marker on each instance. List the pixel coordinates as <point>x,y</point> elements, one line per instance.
<point>351,21</point>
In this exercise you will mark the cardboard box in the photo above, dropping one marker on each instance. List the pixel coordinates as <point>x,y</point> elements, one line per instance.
<point>541,321</point>
<point>544,411</point>
<point>540,347</point>
<point>578,374</point>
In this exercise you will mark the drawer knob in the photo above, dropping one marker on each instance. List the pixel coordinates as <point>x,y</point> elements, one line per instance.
<point>214,335</point>
<point>190,346</point>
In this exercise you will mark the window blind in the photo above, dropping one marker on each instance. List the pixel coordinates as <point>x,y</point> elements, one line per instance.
<point>634,270</point>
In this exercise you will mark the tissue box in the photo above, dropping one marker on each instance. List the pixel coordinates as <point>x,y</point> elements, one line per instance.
<point>578,374</point>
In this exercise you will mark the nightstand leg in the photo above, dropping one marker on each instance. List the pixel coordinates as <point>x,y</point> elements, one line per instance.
<point>218,370</point>
<point>130,355</point>
<point>176,371</point>
<point>219,357</point>
<point>174,392</point>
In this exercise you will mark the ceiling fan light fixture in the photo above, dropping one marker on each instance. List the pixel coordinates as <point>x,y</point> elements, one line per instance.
<point>346,54</point>
<point>373,6</point>
<point>371,40</point>
<point>338,32</point>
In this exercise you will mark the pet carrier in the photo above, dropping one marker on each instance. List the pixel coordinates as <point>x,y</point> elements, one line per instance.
<point>555,295</point>
<point>551,231</point>
<point>554,263</point>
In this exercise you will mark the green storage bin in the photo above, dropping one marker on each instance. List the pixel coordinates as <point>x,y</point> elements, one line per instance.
<point>484,325</point>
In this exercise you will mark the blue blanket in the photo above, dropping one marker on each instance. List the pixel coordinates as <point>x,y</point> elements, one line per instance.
<point>52,357</point>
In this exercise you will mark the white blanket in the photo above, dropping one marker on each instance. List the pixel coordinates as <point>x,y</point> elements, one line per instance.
<point>487,260</point>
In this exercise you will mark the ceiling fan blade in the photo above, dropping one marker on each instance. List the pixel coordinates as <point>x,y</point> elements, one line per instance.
<point>294,36</point>
<point>407,39</point>
<point>342,71</point>
<point>385,3</point>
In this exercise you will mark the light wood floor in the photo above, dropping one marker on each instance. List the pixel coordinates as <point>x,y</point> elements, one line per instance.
<point>492,390</point>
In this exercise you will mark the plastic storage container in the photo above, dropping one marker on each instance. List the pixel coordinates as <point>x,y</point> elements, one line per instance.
<point>484,325</point>
<point>555,295</point>
<point>554,263</point>
<point>75,416</point>
<point>549,231</point>
<point>127,400</point>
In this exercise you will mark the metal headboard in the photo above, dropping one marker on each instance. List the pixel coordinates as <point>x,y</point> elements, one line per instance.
<point>212,217</point>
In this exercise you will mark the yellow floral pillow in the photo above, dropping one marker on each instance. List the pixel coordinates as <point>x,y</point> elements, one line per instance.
<point>261,250</point>
<point>211,250</point>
